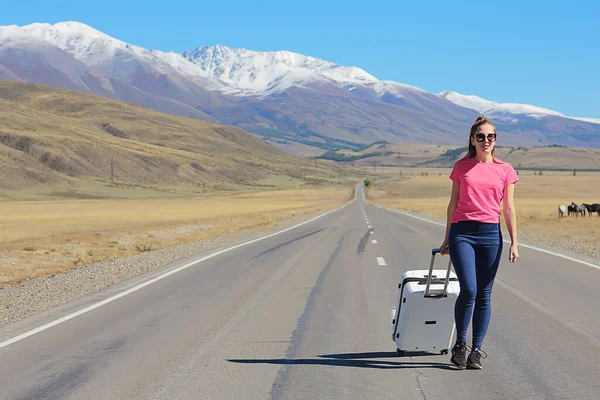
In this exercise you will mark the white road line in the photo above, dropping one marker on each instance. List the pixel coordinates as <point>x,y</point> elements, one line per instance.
<point>149,282</point>
<point>374,241</point>
<point>363,211</point>
<point>369,226</point>
<point>506,241</point>
<point>371,232</point>
<point>381,261</point>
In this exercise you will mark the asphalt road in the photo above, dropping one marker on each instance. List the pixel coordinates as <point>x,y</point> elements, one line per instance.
<point>305,314</point>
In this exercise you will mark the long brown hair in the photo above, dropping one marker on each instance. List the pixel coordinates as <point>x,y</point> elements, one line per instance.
<point>481,120</point>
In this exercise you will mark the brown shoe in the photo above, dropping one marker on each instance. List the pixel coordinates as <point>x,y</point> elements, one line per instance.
<point>474,360</point>
<point>459,356</point>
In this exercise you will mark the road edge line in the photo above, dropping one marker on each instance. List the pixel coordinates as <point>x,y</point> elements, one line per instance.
<point>99,304</point>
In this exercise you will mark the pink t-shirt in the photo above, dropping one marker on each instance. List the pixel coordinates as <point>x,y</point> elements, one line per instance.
<point>481,189</point>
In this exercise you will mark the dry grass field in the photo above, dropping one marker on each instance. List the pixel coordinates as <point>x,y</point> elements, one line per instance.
<point>38,238</point>
<point>536,197</point>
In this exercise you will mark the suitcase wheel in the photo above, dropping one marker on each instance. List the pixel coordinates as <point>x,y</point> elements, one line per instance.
<point>445,351</point>
<point>400,353</point>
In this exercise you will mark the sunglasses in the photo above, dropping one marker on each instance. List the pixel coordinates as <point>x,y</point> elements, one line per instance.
<point>480,137</point>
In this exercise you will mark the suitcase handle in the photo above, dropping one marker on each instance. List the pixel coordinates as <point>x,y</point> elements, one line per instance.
<point>429,277</point>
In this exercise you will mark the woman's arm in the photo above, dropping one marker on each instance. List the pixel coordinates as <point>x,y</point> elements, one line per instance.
<point>449,213</point>
<point>510,217</point>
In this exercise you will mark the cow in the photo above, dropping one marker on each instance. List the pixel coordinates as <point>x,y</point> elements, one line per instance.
<point>592,208</point>
<point>561,210</point>
<point>575,209</point>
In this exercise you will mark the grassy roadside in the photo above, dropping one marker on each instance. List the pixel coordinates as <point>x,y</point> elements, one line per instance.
<point>39,238</point>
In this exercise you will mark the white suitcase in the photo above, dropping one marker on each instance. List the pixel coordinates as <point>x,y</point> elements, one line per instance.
<point>424,321</point>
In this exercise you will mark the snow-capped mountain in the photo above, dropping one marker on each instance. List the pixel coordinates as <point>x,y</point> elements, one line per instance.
<point>238,72</point>
<point>244,72</point>
<point>83,42</point>
<point>75,56</point>
<point>506,112</point>
<point>96,49</point>
<point>281,95</point>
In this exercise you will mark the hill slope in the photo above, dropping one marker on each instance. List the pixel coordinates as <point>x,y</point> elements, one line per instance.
<point>49,135</point>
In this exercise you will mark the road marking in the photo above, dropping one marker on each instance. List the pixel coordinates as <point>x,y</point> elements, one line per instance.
<point>381,261</point>
<point>505,241</point>
<point>369,226</point>
<point>363,211</point>
<point>374,241</point>
<point>371,232</point>
<point>151,281</point>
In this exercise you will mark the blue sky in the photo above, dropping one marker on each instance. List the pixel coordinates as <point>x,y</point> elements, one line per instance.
<point>545,53</point>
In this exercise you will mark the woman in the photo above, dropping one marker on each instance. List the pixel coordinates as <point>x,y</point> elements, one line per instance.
<point>473,236</point>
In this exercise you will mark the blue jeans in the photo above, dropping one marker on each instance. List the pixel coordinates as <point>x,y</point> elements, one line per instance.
<point>475,250</point>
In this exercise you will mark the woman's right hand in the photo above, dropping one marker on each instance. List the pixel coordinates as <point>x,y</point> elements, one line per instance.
<point>444,247</point>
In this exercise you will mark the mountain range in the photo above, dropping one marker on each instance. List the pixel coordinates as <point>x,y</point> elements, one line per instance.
<point>294,102</point>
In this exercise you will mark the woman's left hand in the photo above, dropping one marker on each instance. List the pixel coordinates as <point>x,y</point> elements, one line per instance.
<point>513,253</point>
